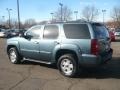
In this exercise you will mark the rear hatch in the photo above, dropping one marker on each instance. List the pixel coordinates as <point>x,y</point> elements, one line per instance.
<point>102,36</point>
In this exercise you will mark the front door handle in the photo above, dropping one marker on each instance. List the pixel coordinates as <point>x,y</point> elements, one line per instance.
<point>36,42</point>
<point>56,42</point>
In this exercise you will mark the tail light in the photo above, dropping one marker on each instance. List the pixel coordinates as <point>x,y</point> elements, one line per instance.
<point>94,47</point>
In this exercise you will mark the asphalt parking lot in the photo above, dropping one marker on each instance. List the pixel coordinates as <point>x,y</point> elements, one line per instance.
<point>35,76</point>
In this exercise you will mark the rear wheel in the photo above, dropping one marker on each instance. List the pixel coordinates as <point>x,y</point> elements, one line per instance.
<point>14,56</point>
<point>68,65</point>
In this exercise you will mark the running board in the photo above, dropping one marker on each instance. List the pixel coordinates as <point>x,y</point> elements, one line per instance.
<point>25,59</point>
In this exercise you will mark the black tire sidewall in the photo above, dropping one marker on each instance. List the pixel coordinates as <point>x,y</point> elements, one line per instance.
<point>73,60</point>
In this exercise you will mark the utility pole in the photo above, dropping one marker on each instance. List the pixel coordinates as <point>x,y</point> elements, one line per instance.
<point>103,11</point>
<point>18,14</point>
<point>9,16</point>
<point>61,5</point>
<point>76,13</point>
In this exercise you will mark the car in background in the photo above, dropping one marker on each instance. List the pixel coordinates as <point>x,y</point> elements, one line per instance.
<point>22,31</point>
<point>12,33</point>
<point>15,33</point>
<point>112,36</point>
<point>117,32</point>
<point>2,32</point>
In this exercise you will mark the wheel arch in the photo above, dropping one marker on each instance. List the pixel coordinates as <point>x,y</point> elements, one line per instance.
<point>65,51</point>
<point>11,46</point>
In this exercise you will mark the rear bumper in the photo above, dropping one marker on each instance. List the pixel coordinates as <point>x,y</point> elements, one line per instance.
<point>107,56</point>
<point>89,60</point>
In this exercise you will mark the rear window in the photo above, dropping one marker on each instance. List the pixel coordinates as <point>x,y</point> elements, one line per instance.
<point>100,30</point>
<point>76,31</point>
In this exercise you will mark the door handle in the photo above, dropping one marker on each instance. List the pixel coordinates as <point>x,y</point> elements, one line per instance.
<point>56,42</point>
<point>36,42</point>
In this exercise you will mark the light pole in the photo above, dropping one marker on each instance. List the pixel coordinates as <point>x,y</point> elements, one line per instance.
<point>103,11</point>
<point>9,16</point>
<point>18,13</point>
<point>61,5</point>
<point>76,12</point>
<point>3,17</point>
<point>52,16</point>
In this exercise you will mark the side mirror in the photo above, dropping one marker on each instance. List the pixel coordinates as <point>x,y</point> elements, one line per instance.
<point>28,36</point>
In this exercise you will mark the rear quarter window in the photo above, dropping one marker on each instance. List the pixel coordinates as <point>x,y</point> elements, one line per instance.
<point>100,30</point>
<point>76,31</point>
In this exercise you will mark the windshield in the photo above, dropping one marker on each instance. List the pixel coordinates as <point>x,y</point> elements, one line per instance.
<point>100,30</point>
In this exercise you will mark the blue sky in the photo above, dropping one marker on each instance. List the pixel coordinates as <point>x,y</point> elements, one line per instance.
<point>41,9</point>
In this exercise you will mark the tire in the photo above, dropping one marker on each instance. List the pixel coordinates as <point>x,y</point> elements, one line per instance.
<point>14,56</point>
<point>67,65</point>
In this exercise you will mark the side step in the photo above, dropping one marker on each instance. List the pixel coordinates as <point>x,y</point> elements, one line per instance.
<point>32,60</point>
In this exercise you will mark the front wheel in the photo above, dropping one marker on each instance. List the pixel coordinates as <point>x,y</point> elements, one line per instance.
<point>14,56</point>
<point>67,65</point>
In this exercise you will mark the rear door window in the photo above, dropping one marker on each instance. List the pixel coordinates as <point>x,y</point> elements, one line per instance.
<point>76,31</point>
<point>100,30</point>
<point>51,32</point>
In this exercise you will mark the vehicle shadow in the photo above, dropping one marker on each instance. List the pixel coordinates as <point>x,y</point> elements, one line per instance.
<point>109,70</point>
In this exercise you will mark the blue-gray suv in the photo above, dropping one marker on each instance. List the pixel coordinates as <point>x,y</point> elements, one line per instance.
<point>68,45</point>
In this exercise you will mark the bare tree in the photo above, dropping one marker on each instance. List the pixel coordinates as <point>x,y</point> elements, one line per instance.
<point>90,13</point>
<point>14,24</point>
<point>115,14</point>
<point>66,14</point>
<point>29,22</point>
<point>42,22</point>
<point>6,23</point>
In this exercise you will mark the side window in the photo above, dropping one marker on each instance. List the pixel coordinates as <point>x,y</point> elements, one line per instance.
<point>50,32</point>
<point>76,31</point>
<point>34,32</point>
